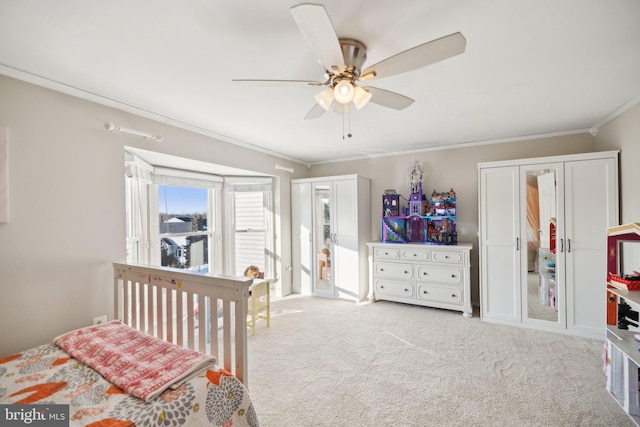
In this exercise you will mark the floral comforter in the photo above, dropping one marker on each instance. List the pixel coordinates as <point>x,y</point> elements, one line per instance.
<point>48,375</point>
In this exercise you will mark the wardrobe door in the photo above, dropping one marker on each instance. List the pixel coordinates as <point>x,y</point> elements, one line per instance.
<point>301,221</point>
<point>591,194</point>
<point>323,250</point>
<point>345,238</point>
<point>542,257</point>
<point>500,243</point>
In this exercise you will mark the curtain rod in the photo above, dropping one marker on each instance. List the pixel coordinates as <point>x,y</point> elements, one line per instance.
<point>111,127</point>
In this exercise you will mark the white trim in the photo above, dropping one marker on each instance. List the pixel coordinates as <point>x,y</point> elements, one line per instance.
<point>122,106</point>
<point>460,145</point>
<point>615,114</point>
<point>183,178</point>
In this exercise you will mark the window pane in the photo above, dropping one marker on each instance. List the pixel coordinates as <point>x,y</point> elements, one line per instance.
<point>182,209</point>
<point>250,231</point>
<point>183,227</point>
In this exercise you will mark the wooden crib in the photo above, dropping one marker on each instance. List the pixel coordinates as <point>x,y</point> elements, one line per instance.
<point>204,312</point>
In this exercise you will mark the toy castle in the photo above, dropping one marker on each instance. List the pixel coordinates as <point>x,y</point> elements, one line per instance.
<point>430,221</point>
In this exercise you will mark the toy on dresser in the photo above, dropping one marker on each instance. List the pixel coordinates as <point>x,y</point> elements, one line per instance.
<point>429,221</point>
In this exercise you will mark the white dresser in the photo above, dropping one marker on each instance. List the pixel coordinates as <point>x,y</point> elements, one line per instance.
<point>422,274</point>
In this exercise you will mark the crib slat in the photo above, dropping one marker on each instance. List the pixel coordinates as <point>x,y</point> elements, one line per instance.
<point>180,326</point>
<point>170,312</point>
<point>191,324</point>
<point>127,305</point>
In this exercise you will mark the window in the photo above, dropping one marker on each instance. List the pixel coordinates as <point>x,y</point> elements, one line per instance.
<point>250,231</point>
<point>183,233</point>
<point>250,213</point>
<point>179,218</point>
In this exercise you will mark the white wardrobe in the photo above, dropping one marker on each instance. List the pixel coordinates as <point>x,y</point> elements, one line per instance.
<point>331,225</point>
<point>542,240</point>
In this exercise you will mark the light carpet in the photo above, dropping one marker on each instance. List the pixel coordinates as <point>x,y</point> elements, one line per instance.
<point>326,362</point>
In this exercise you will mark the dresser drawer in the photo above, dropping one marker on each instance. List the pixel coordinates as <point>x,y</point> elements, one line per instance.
<point>394,270</point>
<point>449,275</point>
<point>451,257</point>
<point>386,253</point>
<point>415,255</point>
<point>446,294</point>
<point>394,289</point>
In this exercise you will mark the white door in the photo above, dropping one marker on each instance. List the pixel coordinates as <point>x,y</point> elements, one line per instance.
<point>543,255</point>
<point>500,243</point>
<point>591,206</point>
<point>323,239</point>
<point>301,220</point>
<point>345,244</point>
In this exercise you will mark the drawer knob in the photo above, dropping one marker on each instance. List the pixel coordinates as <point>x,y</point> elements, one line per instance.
<point>446,256</point>
<point>425,273</point>
<point>406,290</point>
<point>453,295</point>
<point>453,275</point>
<point>425,292</point>
<point>381,287</point>
<point>382,269</point>
<point>406,272</point>
<point>415,254</point>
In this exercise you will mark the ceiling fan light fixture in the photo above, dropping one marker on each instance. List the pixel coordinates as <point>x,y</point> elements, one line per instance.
<point>344,92</point>
<point>325,98</point>
<point>361,97</point>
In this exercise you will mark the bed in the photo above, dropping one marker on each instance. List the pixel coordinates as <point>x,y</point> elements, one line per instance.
<point>176,354</point>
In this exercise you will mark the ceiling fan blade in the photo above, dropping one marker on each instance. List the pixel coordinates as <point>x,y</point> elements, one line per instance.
<point>315,112</point>
<point>388,99</point>
<point>276,82</point>
<point>417,57</point>
<point>314,22</point>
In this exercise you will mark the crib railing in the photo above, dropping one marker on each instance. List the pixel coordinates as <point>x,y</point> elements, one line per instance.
<point>204,312</point>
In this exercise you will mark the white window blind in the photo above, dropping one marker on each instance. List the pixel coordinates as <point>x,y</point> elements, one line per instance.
<point>250,226</point>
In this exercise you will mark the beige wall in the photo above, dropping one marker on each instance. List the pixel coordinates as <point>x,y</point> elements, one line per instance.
<point>446,169</point>
<point>67,212</point>
<point>623,134</point>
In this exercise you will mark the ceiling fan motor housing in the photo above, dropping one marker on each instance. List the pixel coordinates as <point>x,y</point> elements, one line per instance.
<point>355,55</point>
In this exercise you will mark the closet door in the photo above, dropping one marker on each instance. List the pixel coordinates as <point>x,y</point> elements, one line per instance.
<point>323,250</point>
<point>591,194</point>
<point>500,243</point>
<point>542,257</point>
<point>345,238</point>
<point>301,220</point>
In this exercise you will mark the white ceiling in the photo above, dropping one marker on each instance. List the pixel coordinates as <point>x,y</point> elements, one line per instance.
<point>531,67</point>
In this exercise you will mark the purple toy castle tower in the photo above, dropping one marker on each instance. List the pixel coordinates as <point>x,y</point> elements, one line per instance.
<point>416,201</point>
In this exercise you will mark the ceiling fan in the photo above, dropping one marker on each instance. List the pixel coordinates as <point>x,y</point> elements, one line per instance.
<point>343,59</point>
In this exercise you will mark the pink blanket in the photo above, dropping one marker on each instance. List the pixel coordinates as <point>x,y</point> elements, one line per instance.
<point>140,364</point>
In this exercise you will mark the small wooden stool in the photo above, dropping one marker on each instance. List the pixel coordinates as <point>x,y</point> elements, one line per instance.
<point>259,303</point>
